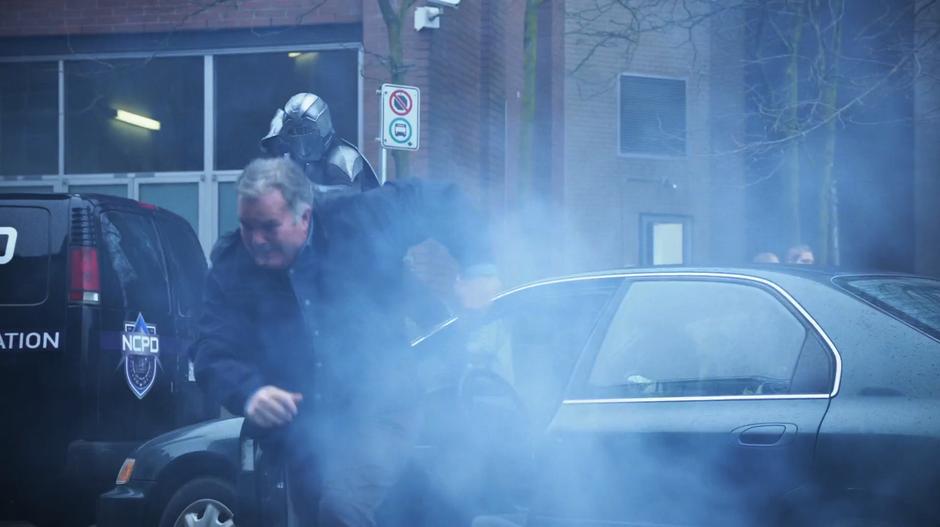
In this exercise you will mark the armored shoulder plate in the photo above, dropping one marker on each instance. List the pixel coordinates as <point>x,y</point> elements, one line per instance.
<point>344,162</point>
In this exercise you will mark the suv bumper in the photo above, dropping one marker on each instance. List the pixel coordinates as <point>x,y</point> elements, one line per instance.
<point>37,479</point>
<point>125,505</point>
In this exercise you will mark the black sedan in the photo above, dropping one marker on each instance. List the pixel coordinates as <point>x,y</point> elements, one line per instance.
<point>670,397</point>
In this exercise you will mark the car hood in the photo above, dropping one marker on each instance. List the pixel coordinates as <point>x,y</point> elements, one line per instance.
<point>218,438</point>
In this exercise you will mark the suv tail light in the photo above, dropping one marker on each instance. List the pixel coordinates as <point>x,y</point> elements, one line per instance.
<point>86,277</point>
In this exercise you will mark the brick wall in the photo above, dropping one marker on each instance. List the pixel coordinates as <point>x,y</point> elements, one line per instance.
<point>605,192</point>
<point>76,17</point>
<point>459,83</point>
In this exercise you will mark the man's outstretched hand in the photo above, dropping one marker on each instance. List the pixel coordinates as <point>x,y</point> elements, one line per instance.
<point>272,406</point>
<point>476,293</point>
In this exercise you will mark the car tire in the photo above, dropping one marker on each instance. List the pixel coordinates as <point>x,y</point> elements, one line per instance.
<point>209,502</point>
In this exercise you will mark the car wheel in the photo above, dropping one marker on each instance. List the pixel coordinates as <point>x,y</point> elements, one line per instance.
<point>202,502</point>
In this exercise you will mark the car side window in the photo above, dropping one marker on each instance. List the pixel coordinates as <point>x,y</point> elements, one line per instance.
<point>186,264</point>
<point>686,338</point>
<point>134,274</point>
<point>530,339</point>
<point>534,339</point>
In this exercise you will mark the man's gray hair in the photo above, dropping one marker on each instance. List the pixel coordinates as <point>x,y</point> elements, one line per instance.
<point>262,175</point>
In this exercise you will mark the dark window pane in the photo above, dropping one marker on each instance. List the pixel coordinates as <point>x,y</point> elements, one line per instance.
<point>178,198</point>
<point>25,253</point>
<point>815,370</point>
<point>913,300</point>
<point>110,190</point>
<point>186,262</point>
<point>167,91</point>
<point>531,339</point>
<point>26,189</point>
<point>250,88</point>
<point>689,338</point>
<point>228,208</point>
<point>652,116</point>
<point>133,273</point>
<point>29,118</point>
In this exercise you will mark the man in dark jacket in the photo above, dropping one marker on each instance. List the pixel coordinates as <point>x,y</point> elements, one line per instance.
<point>302,330</point>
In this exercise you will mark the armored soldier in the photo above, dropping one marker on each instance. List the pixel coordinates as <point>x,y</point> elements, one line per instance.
<point>303,130</point>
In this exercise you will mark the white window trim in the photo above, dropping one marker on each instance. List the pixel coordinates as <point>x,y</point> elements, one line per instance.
<point>803,315</point>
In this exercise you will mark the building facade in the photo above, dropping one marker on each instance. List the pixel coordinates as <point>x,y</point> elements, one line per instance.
<point>588,150</point>
<point>165,100</point>
<point>650,176</point>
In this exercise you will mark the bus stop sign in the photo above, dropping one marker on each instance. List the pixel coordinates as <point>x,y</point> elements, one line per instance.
<point>401,117</point>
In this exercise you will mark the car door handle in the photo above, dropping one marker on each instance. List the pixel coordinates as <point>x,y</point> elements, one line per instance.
<point>765,435</point>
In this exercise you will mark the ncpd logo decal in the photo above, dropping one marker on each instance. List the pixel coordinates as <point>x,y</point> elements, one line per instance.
<point>140,347</point>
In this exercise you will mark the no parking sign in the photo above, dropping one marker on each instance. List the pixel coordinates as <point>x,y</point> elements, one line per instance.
<point>401,117</point>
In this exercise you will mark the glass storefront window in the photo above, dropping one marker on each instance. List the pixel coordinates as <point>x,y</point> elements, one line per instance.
<point>111,190</point>
<point>31,189</point>
<point>250,88</point>
<point>134,115</point>
<point>29,118</point>
<point>228,207</point>
<point>146,115</point>
<point>179,198</point>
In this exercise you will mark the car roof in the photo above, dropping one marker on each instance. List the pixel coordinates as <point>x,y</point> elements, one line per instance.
<point>105,200</point>
<point>770,272</point>
<point>773,273</point>
<point>90,196</point>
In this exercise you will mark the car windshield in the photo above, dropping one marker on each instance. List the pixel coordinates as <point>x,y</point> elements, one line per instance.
<point>915,301</point>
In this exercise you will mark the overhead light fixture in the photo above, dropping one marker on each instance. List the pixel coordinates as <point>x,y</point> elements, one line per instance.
<point>294,54</point>
<point>137,120</point>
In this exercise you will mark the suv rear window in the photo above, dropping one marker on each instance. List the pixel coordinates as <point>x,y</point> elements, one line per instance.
<point>915,301</point>
<point>24,255</point>
<point>136,276</point>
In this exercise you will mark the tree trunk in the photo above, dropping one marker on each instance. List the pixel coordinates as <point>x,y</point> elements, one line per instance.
<point>792,130</point>
<point>396,64</point>
<point>828,252</point>
<point>526,179</point>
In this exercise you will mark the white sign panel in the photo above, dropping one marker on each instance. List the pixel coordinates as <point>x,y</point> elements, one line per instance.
<point>10,234</point>
<point>401,117</point>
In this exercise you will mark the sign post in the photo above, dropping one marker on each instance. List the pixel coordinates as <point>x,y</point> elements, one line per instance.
<point>401,119</point>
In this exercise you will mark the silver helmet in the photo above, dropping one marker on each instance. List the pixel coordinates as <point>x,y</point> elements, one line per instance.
<point>302,129</point>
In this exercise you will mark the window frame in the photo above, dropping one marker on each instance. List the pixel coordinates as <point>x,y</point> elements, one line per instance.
<point>814,330</point>
<point>648,220</point>
<point>208,177</point>
<point>642,155</point>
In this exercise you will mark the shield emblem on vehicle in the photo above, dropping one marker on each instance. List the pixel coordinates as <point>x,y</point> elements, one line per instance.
<point>141,349</point>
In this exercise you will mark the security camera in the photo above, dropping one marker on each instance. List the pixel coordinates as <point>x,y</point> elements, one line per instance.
<point>445,3</point>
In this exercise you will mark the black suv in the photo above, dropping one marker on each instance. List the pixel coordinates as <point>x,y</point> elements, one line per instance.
<point>98,302</point>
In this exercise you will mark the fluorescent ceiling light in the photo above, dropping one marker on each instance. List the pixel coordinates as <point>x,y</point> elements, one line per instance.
<point>294,54</point>
<point>137,120</point>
